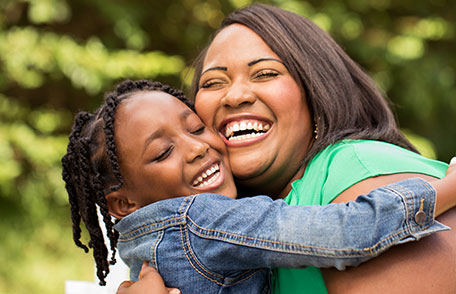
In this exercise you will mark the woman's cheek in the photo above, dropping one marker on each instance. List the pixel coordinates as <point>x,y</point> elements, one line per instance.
<point>206,110</point>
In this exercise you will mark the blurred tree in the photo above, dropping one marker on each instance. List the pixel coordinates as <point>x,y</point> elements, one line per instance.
<point>59,56</point>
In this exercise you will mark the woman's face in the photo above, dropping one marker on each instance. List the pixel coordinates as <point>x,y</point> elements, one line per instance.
<point>248,96</point>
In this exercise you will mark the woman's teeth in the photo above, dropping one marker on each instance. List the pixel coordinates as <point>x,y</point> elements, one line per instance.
<point>207,177</point>
<point>245,130</point>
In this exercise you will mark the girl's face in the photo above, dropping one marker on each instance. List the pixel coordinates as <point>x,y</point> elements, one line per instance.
<point>247,95</point>
<point>166,151</point>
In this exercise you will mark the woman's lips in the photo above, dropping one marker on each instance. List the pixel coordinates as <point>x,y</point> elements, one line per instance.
<point>242,131</point>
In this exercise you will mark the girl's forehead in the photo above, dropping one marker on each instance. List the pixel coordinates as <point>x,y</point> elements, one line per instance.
<point>151,103</point>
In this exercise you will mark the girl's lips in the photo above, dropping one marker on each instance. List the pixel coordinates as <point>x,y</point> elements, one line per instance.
<point>209,178</point>
<point>244,130</point>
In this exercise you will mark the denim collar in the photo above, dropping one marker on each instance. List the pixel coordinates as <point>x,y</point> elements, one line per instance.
<point>154,214</point>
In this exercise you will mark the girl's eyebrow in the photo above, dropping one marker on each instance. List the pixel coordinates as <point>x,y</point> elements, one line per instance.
<point>224,68</point>
<point>157,134</point>
<point>160,132</point>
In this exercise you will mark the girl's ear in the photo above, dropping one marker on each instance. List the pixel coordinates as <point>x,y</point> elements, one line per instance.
<point>119,205</point>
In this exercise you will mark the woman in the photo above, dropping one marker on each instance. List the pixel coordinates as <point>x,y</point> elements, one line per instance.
<point>290,104</point>
<point>272,67</point>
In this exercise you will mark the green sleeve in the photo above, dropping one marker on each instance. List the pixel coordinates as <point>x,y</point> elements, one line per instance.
<point>359,160</point>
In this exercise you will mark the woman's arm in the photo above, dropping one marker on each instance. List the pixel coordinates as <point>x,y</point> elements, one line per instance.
<point>428,266</point>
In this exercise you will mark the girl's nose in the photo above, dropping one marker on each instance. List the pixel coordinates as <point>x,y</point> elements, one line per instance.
<point>238,95</point>
<point>196,149</point>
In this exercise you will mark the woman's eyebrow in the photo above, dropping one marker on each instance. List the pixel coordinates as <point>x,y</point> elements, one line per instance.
<point>224,68</point>
<point>263,59</point>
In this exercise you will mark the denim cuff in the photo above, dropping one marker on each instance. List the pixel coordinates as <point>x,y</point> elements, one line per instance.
<point>419,199</point>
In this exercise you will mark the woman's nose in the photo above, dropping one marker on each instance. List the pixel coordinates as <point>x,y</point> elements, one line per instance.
<point>238,95</point>
<point>196,149</point>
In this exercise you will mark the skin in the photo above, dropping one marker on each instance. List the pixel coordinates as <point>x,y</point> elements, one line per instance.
<point>273,162</point>
<point>163,148</point>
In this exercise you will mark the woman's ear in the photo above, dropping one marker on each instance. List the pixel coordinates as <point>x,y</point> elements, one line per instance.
<point>119,205</point>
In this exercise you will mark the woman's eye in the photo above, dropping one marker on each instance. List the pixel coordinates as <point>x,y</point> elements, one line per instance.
<point>199,130</point>
<point>164,154</point>
<point>265,74</point>
<point>211,83</point>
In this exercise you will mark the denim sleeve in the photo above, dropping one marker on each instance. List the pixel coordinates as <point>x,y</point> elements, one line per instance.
<point>228,235</point>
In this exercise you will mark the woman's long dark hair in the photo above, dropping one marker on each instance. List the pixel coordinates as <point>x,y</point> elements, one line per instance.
<point>343,100</point>
<point>91,169</point>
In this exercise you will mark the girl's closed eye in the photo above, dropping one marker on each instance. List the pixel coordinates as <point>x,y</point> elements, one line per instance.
<point>199,130</point>
<point>164,153</point>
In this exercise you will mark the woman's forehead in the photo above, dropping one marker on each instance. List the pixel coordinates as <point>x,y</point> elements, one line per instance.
<point>237,42</point>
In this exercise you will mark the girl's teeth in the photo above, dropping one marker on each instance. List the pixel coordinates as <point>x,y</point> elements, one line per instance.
<point>208,182</point>
<point>199,181</point>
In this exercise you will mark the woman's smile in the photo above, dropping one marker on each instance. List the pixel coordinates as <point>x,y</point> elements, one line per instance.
<point>243,130</point>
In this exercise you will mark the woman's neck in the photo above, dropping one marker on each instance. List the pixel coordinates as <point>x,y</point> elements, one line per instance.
<point>273,189</point>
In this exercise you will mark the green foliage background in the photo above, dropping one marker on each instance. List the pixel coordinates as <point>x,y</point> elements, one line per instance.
<point>60,56</point>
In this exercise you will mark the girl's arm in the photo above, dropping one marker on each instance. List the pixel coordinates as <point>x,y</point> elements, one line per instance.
<point>412,202</point>
<point>279,235</point>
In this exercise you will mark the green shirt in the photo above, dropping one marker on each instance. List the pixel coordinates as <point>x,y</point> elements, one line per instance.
<point>331,172</point>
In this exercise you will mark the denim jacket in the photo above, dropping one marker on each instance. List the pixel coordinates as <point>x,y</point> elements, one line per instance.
<point>210,243</point>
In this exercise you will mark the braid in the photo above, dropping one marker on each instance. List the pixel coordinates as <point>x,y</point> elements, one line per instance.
<point>91,169</point>
<point>78,174</point>
<point>68,162</point>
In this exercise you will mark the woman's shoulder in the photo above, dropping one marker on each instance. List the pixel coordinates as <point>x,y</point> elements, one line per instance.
<point>373,156</point>
<point>350,161</point>
<point>377,158</point>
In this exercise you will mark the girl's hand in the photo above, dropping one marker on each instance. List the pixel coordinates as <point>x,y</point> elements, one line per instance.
<point>452,167</point>
<point>446,189</point>
<point>150,282</point>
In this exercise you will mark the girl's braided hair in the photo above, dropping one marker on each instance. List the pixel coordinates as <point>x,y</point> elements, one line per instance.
<point>91,169</point>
